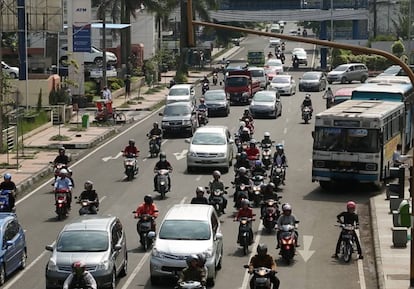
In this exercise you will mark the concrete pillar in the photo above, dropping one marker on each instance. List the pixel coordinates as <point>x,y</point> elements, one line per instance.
<point>21,36</point>
<point>324,51</point>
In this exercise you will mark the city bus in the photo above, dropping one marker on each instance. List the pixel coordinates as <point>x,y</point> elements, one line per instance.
<point>355,141</point>
<point>391,88</point>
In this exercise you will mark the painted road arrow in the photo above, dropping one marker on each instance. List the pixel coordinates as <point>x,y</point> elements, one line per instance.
<point>181,155</point>
<point>306,253</point>
<point>105,159</point>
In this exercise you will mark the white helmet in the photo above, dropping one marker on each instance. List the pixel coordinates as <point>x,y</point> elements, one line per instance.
<point>242,124</point>
<point>267,134</point>
<point>63,172</point>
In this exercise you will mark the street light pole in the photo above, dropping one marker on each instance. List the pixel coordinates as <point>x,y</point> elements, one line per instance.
<point>104,43</point>
<point>332,32</point>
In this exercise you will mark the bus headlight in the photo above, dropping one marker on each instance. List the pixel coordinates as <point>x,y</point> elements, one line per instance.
<point>319,164</point>
<point>371,167</point>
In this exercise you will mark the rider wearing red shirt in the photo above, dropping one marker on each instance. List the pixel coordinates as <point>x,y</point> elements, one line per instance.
<point>147,208</point>
<point>131,149</point>
<point>245,211</point>
<point>252,151</point>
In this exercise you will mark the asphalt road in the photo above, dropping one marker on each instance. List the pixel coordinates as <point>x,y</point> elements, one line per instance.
<point>316,209</point>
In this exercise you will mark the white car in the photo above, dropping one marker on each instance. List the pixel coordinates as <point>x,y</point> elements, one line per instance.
<point>95,56</point>
<point>275,42</point>
<point>12,71</point>
<point>259,74</point>
<point>301,55</point>
<point>275,64</point>
<point>297,49</point>
<point>293,32</point>
<point>284,84</point>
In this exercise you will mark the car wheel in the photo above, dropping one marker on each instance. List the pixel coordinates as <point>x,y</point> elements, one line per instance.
<point>225,170</point>
<point>211,280</point>
<point>113,280</point>
<point>155,280</point>
<point>329,81</point>
<point>124,270</point>
<point>2,274</point>
<point>363,79</point>
<point>218,267</point>
<point>23,260</point>
<point>13,75</point>
<point>343,80</point>
<point>190,169</point>
<point>98,61</point>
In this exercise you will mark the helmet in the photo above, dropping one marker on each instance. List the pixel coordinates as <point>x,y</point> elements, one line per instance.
<point>7,176</point>
<point>271,186</point>
<point>63,172</point>
<point>267,134</point>
<point>287,207</point>
<point>148,199</point>
<point>242,170</point>
<point>243,155</point>
<point>200,190</point>
<point>351,205</point>
<point>242,124</point>
<point>202,100</point>
<point>246,111</point>
<point>78,267</point>
<point>155,124</point>
<point>329,88</point>
<point>261,249</point>
<point>279,146</point>
<point>62,149</point>
<point>258,163</point>
<point>88,185</point>
<point>216,174</point>
<point>252,141</point>
<point>307,96</point>
<point>163,155</point>
<point>131,142</point>
<point>191,258</point>
<point>245,202</point>
<point>201,259</point>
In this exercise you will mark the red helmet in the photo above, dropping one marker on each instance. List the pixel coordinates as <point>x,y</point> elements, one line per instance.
<point>351,205</point>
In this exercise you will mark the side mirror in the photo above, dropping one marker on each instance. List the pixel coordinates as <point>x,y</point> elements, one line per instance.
<point>193,113</point>
<point>246,266</point>
<point>160,114</point>
<point>49,248</point>
<point>118,247</point>
<point>187,140</point>
<point>151,235</point>
<point>219,236</point>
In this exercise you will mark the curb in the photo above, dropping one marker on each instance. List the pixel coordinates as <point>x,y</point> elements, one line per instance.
<point>26,184</point>
<point>377,249</point>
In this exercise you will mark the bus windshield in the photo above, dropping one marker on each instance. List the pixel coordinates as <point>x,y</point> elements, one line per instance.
<point>377,95</point>
<point>346,139</point>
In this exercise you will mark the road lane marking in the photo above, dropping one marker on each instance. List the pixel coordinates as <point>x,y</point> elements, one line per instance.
<point>91,153</point>
<point>198,178</point>
<point>285,130</point>
<point>287,120</point>
<point>361,269</point>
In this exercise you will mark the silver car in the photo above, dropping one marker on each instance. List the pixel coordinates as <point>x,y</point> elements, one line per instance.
<point>266,103</point>
<point>284,84</point>
<point>177,118</point>
<point>346,73</point>
<point>99,241</point>
<point>312,81</point>
<point>211,146</point>
<point>187,229</point>
<point>217,102</point>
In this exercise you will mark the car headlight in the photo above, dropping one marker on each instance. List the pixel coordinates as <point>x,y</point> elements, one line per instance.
<point>165,123</point>
<point>191,154</point>
<point>208,253</point>
<point>51,266</point>
<point>245,94</point>
<point>103,265</point>
<point>156,253</point>
<point>220,155</point>
<point>186,122</point>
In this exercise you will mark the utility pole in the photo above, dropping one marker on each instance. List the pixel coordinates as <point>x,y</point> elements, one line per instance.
<point>104,43</point>
<point>1,74</point>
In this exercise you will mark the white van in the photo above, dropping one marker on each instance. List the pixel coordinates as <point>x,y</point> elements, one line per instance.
<point>259,74</point>
<point>181,93</point>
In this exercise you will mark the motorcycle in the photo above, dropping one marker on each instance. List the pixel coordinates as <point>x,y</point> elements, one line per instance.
<point>266,155</point>
<point>306,114</point>
<point>271,213</point>
<point>204,88</point>
<point>249,125</point>
<point>244,238</point>
<point>154,145</point>
<point>202,117</point>
<point>278,173</point>
<point>287,242</point>
<point>347,242</point>
<point>216,199</point>
<point>215,78</point>
<point>86,207</point>
<point>261,277</point>
<point>256,193</point>
<point>296,63</point>
<point>144,230</point>
<point>162,182</point>
<point>5,201</point>
<point>61,203</point>
<point>242,193</point>
<point>131,166</point>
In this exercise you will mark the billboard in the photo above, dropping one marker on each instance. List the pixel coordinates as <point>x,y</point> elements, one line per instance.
<point>81,24</point>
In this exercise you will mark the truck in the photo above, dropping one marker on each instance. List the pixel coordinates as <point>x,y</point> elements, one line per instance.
<point>240,87</point>
<point>256,58</point>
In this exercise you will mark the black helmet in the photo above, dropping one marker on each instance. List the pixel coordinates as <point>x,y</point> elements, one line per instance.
<point>148,199</point>
<point>131,142</point>
<point>261,249</point>
<point>201,259</point>
<point>163,155</point>
<point>191,258</point>
<point>243,155</point>
<point>88,185</point>
<point>155,124</point>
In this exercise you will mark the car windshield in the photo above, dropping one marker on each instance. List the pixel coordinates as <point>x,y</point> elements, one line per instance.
<point>185,230</point>
<point>280,80</point>
<point>178,91</point>
<point>177,110</point>
<point>274,63</point>
<point>346,140</point>
<point>310,76</point>
<point>264,97</point>
<point>208,138</point>
<point>83,241</point>
<point>300,54</point>
<point>214,96</point>
<point>392,70</point>
<point>237,81</point>
<point>257,73</point>
<point>341,68</point>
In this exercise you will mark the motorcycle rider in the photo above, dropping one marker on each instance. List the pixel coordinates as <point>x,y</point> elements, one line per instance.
<point>131,149</point>
<point>205,80</point>
<point>91,195</point>
<point>252,151</point>
<point>248,115</point>
<point>307,102</point>
<point>329,96</point>
<point>266,139</point>
<point>258,169</point>
<point>199,198</point>
<point>262,259</point>
<point>244,132</point>
<point>268,193</point>
<point>64,183</point>
<point>216,184</point>
<point>245,211</point>
<point>162,164</point>
<point>80,277</point>
<point>9,185</point>
<point>270,55</point>
<point>241,178</point>
<point>156,131</point>
<point>349,217</point>
<point>202,108</point>
<point>146,208</point>
<point>242,161</point>
<point>286,219</point>
<point>279,159</point>
<point>193,272</point>
<point>62,158</point>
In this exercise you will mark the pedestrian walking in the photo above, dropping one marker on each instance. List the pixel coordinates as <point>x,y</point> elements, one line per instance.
<point>127,83</point>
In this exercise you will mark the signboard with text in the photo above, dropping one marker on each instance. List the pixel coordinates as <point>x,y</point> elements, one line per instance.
<point>81,25</point>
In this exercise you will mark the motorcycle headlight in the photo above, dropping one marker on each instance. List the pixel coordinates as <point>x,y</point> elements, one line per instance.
<point>192,154</point>
<point>51,266</point>
<point>103,265</point>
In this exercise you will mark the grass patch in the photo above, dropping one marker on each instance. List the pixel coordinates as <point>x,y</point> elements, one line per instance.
<point>77,128</point>
<point>154,89</point>
<point>158,105</point>
<point>124,105</point>
<point>40,119</point>
<point>90,87</point>
<point>59,137</point>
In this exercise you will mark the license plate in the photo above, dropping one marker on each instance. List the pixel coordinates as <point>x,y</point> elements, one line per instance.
<point>345,164</point>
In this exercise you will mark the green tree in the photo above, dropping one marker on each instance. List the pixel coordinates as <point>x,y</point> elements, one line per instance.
<point>398,48</point>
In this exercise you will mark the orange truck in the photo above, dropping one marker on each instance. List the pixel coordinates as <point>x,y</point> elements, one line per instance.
<point>240,87</point>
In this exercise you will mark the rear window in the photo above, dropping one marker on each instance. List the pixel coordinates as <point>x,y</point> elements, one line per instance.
<point>179,91</point>
<point>185,230</point>
<point>257,73</point>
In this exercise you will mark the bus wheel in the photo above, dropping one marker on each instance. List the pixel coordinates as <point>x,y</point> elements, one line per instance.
<point>325,185</point>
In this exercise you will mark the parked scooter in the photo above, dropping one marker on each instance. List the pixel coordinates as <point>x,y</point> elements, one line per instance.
<point>306,114</point>
<point>216,199</point>
<point>261,277</point>
<point>61,203</point>
<point>144,230</point>
<point>162,182</point>
<point>288,241</point>
<point>347,242</point>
